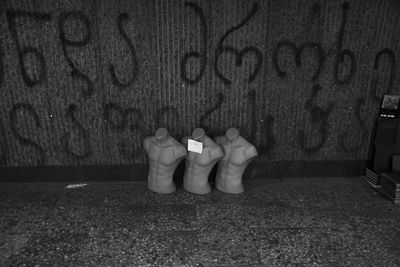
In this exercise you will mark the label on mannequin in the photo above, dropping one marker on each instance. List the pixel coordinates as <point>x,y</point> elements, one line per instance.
<point>195,146</point>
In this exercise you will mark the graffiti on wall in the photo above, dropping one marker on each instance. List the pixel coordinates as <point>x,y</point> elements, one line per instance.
<point>260,124</point>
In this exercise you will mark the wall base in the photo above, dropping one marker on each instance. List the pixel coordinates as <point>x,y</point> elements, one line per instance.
<point>265,170</point>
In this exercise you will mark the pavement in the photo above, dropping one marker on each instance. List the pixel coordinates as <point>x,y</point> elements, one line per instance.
<point>275,222</point>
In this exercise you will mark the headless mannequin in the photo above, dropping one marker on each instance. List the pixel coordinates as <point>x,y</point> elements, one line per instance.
<point>164,154</point>
<point>237,155</point>
<point>198,166</point>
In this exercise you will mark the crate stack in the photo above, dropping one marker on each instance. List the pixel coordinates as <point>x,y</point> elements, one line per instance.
<point>391,186</point>
<point>373,178</point>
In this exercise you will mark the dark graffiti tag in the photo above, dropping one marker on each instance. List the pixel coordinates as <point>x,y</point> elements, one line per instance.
<point>251,95</point>
<point>22,139</point>
<point>118,125</point>
<point>12,15</point>
<point>1,68</point>
<point>319,117</point>
<point>123,18</point>
<point>374,83</point>
<point>122,123</point>
<point>3,145</point>
<point>168,117</point>
<point>117,118</point>
<point>137,125</point>
<point>193,54</point>
<point>65,42</point>
<point>238,54</point>
<point>363,127</point>
<point>341,55</point>
<point>313,17</point>
<point>268,125</point>
<point>297,55</point>
<point>77,127</point>
<point>205,119</point>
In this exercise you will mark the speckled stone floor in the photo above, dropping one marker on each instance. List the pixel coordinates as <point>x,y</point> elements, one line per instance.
<point>285,222</point>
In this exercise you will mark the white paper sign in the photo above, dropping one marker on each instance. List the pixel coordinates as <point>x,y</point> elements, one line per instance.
<point>195,146</point>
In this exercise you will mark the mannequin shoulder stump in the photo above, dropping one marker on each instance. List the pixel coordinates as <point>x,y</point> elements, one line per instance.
<point>180,151</point>
<point>221,140</point>
<point>217,152</point>
<point>146,143</point>
<point>184,140</point>
<point>251,152</point>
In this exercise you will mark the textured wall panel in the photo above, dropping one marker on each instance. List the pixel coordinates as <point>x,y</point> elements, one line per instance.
<point>83,82</point>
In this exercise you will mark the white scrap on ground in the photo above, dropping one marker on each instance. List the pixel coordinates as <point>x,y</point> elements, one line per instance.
<point>72,186</point>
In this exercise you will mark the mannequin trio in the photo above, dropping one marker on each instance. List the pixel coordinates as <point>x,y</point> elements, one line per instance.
<point>232,152</point>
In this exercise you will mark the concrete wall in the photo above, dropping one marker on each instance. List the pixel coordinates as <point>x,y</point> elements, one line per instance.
<point>83,82</point>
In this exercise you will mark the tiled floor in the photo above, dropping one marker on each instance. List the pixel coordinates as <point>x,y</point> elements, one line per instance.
<point>286,222</point>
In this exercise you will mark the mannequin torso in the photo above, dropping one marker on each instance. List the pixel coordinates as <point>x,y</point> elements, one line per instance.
<point>164,156</point>
<point>237,155</point>
<point>199,166</point>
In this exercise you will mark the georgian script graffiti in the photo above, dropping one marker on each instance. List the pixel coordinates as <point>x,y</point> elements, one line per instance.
<point>193,54</point>
<point>117,119</point>
<point>374,83</point>
<point>220,50</point>
<point>362,130</point>
<point>205,120</point>
<point>238,54</point>
<point>13,116</point>
<point>1,67</point>
<point>65,42</point>
<point>123,18</point>
<point>319,117</point>
<point>132,121</point>
<point>341,55</point>
<point>77,128</point>
<point>267,132</point>
<point>167,116</point>
<point>297,55</point>
<point>23,52</point>
<point>251,95</point>
<point>4,150</point>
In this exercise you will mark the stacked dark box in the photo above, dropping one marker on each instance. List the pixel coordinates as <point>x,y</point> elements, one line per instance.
<point>391,186</point>
<point>374,178</point>
<point>386,143</point>
<point>396,163</point>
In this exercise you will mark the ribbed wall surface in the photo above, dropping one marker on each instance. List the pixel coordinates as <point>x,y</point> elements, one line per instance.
<point>83,82</point>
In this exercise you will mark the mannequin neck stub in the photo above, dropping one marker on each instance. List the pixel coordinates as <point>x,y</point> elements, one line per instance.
<point>161,135</point>
<point>232,135</point>
<point>198,134</point>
